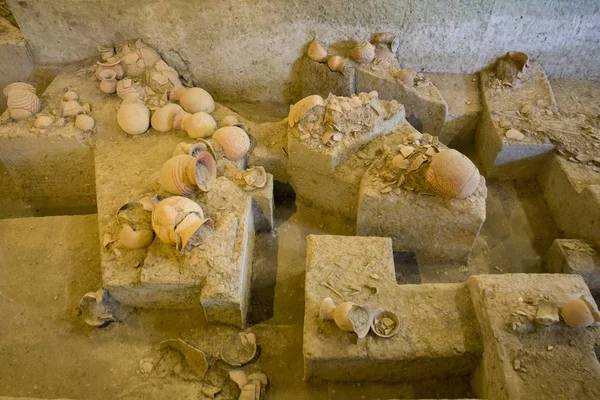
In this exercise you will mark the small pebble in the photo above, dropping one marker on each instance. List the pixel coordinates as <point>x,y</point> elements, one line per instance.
<point>549,348</point>
<point>469,103</point>
<point>514,135</point>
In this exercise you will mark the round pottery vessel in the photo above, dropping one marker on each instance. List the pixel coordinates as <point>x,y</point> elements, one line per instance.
<point>111,64</point>
<point>336,64</point>
<point>233,140</point>
<point>452,174</point>
<point>134,240</point>
<point>70,95</point>
<point>184,174</point>
<point>21,100</point>
<point>133,117</point>
<point>379,329</point>
<point>407,76</point>
<point>350,317</point>
<point>43,121</point>
<point>180,222</point>
<point>108,81</point>
<point>193,100</point>
<point>162,77</point>
<point>71,108</point>
<point>388,38</point>
<point>127,90</point>
<point>229,120</point>
<point>299,110</point>
<point>164,117</point>
<point>327,309</point>
<point>363,52</point>
<point>198,125</point>
<point>316,51</point>
<point>84,122</point>
<point>106,52</point>
<point>579,313</point>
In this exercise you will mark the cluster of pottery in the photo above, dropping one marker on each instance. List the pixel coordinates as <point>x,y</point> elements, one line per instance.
<point>252,386</point>
<point>21,100</point>
<point>382,46</point>
<point>71,107</point>
<point>134,70</point>
<point>350,317</point>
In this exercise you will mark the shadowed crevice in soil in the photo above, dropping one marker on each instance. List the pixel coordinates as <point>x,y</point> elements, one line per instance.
<point>407,268</point>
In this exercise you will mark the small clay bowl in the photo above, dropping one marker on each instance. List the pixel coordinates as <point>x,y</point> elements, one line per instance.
<point>377,325</point>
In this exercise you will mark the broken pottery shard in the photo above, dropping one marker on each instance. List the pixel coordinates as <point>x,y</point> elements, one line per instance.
<point>431,151</point>
<point>259,376</point>
<point>148,202</point>
<point>239,377</point>
<point>514,135</point>
<point>251,391</point>
<point>326,136</point>
<point>97,308</point>
<point>195,358</point>
<point>416,164</point>
<point>107,240</point>
<point>400,162</point>
<point>209,390</point>
<point>239,349</point>
<point>407,151</point>
<point>547,313</point>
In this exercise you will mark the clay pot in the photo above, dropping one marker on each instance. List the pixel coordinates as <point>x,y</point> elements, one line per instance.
<point>136,56</point>
<point>363,52</point>
<point>164,117</point>
<point>509,67</point>
<point>106,52</point>
<point>388,38</point>
<point>203,145</point>
<point>521,60</point>
<point>180,222</point>
<point>184,174</point>
<point>71,108</point>
<point>316,51</point>
<point>126,89</point>
<point>350,317</point>
<point>161,77</point>
<point>113,65</point>
<point>579,313</point>
<point>299,110</point>
<point>193,100</point>
<point>407,76</point>
<point>70,95</point>
<point>84,122</point>
<point>234,142</point>
<point>21,100</point>
<point>134,240</point>
<point>452,174</point>
<point>191,149</point>
<point>108,81</point>
<point>336,64</point>
<point>198,125</point>
<point>43,121</point>
<point>133,117</point>
<point>229,120</point>
<point>327,309</point>
<point>379,325</point>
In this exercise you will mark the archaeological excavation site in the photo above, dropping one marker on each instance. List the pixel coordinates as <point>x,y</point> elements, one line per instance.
<point>301,200</point>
